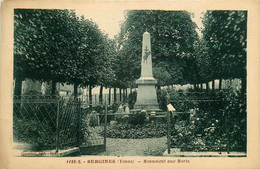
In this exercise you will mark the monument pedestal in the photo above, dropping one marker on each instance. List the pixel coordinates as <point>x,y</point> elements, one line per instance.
<point>146,94</point>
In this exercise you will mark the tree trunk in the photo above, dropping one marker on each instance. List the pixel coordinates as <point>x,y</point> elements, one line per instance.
<point>194,85</point>
<point>90,95</point>
<point>213,85</point>
<point>115,94</point>
<point>120,94</point>
<point>101,94</point>
<point>201,86</point>
<point>109,96</point>
<point>220,84</point>
<point>123,93</point>
<point>126,92</point>
<point>207,86</point>
<point>53,87</point>
<point>75,90</point>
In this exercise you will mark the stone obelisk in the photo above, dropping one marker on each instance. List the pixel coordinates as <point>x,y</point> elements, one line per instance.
<point>146,93</point>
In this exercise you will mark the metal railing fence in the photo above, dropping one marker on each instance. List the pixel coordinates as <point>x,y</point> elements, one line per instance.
<point>47,122</point>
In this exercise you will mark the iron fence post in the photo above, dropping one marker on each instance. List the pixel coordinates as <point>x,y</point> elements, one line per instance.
<point>57,127</point>
<point>78,121</point>
<point>168,132</point>
<point>227,130</point>
<point>105,127</point>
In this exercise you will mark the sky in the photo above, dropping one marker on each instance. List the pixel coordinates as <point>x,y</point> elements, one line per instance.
<point>109,21</point>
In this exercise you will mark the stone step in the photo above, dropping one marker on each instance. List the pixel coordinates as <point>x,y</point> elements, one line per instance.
<point>150,110</point>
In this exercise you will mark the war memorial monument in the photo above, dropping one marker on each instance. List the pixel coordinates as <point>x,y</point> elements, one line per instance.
<point>146,93</point>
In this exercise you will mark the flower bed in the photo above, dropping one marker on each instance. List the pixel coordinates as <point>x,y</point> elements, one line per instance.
<point>216,126</point>
<point>129,131</point>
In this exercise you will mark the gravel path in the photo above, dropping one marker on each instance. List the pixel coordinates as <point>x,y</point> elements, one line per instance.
<point>135,147</point>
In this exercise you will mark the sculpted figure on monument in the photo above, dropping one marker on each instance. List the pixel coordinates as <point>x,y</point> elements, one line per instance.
<point>146,54</point>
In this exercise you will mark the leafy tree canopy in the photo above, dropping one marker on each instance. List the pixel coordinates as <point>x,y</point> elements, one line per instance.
<point>172,37</point>
<point>225,34</point>
<point>58,45</point>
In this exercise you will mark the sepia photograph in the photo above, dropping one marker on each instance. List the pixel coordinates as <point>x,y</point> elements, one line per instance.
<point>162,83</point>
<point>93,86</point>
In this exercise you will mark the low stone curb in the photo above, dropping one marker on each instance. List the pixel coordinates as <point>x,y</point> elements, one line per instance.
<point>51,153</point>
<point>175,153</point>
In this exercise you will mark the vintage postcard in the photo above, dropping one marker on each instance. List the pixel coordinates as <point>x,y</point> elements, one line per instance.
<point>130,84</point>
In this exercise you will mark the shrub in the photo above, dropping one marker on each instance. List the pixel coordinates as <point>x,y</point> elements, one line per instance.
<point>93,119</point>
<point>99,108</point>
<point>31,132</point>
<point>162,99</point>
<point>217,126</point>
<point>132,99</point>
<point>114,106</point>
<point>137,118</point>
